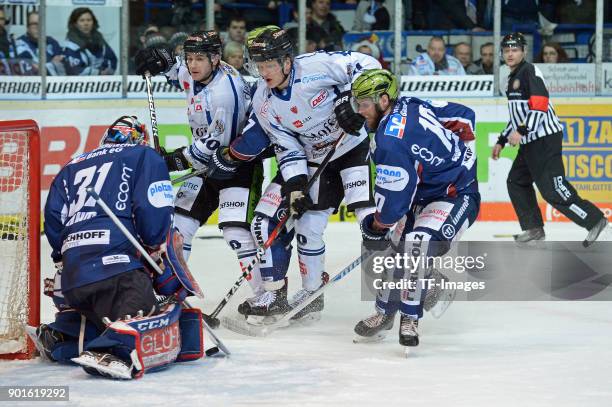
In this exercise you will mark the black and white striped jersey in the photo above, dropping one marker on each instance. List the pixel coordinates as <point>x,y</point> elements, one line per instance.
<point>531,112</point>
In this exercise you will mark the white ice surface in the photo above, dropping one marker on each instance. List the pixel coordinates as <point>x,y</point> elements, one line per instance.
<point>550,354</point>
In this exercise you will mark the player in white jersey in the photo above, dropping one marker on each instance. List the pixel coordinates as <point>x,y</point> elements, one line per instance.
<point>303,105</point>
<point>218,99</point>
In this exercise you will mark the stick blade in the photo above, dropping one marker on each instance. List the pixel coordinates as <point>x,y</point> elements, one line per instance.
<point>244,328</point>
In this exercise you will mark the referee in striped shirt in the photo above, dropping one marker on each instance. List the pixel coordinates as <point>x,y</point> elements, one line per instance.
<point>535,126</point>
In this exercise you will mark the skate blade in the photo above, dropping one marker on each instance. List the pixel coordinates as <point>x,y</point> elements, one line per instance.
<point>31,331</point>
<point>442,305</point>
<point>241,326</point>
<point>408,351</point>
<point>379,337</point>
<point>104,370</point>
<point>257,320</point>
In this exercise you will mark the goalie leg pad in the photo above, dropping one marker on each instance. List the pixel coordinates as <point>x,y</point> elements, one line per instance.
<point>148,343</point>
<point>192,335</point>
<point>66,329</point>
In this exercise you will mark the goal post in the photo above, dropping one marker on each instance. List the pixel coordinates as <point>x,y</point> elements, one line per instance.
<point>19,236</point>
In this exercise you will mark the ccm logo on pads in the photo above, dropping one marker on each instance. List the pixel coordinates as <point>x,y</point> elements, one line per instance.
<point>317,100</point>
<point>160,194</point>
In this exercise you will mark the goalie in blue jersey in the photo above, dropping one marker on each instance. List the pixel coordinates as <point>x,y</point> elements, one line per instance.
<point>109,319</point>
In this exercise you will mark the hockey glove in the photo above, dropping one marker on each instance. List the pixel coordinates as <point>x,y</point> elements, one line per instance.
<point>299,202</point>
<point>373,238</point>
<point>350,121</point>
<point>152,60</point>
<point>222,166</point>
<point>176,160</point>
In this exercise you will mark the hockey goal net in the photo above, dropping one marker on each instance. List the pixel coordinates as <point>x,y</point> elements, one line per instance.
<point>19,236</point>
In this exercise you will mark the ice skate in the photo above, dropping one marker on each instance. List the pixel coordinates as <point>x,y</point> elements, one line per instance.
<point>439,297</point>
<point>104,364</point>
<point>408,335</point>
<point>44,339</point>
<point>267,307</point>
<point>373,328</point>
<point>311,312</point>
<point>595,231</point>
<point>530,237</point>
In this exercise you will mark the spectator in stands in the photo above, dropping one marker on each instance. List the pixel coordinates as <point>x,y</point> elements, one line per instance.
<point>176,42</point>
<point>27,50</point>
<point>327,25</point>
<point>233,54</point>
<point>453,14</point>
<point>146,31</point>
<point>184,16</point>
<point>370,47</point>
<point>7,48</point>
<point>435,61</point>
<point>552,53</point>
<point>576,11</point>
<point>519,12</point>
<point>236,29</point>
<point>86,50</point>
<point>486,58</point>
<point>372,15</point>
<point>463,52</point>
<point>157,40</point>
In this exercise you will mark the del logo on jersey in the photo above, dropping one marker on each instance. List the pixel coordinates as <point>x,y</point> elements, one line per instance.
<point>395,126</point>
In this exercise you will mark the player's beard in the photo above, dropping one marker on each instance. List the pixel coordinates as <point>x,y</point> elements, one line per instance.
<point>378,118</point>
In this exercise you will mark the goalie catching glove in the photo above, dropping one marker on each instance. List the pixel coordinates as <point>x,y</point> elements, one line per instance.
<point>293,190</point>
<point>348,120</point>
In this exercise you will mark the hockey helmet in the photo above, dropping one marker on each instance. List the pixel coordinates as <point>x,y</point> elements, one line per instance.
<point>203,42</point>
<point>125,130</point>
<point>373,83</point>
<point>514,40</point>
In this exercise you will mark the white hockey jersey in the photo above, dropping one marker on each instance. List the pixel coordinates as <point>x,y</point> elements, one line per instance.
<point>224,101</point>
<point>300,120</point>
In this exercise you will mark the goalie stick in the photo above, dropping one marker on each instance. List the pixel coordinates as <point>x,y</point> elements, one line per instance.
<point>214,321</point>
<point>243,327</point>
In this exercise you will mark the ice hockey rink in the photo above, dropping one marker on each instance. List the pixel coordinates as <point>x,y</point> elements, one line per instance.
<point>478,354</point>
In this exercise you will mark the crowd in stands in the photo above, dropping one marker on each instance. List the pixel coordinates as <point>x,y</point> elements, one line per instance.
<point>84,51</point>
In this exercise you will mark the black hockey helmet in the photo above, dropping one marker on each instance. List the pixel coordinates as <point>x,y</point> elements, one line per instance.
<point>270,44</point>
<point>203,42</point>
<point>514,40</point>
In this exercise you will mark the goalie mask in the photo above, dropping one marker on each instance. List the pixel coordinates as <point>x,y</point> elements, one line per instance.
<point>125,130</point>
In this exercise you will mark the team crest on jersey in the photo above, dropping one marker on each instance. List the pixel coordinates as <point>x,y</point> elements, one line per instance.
<point>294,109</point>
<point>395,126</point>
<point>298,123</point>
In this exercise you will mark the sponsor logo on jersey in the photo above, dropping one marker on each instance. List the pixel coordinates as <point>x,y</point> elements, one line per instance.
<point>391,178</point>
<point>115,258</point>
<point>124,189</point>
<point>355,184</point>
<point>395,126</point>
<point>294,109</point>
<point>319,98</point>
<point>86,238</point>
<point>160,194</point>
<point>314,77</point>
<point>234,204</point>
<point>426,155</point>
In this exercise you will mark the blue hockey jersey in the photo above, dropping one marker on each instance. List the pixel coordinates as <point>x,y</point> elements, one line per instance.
<point>133,181</point>
<point>423,151</point>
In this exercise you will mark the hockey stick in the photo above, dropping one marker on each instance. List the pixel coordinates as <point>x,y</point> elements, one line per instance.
<point>243,327</point>
<point>152,112</point>
<point>503,235</point>
<point>187,176</point>
<point>214,321</point>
